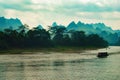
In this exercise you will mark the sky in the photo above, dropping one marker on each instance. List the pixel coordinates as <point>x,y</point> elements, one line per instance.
<point>45,12</point>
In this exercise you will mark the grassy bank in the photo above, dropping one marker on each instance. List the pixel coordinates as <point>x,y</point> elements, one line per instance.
<point>47,50</point>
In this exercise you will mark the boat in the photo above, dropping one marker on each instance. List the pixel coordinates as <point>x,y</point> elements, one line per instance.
<point>102,54</point>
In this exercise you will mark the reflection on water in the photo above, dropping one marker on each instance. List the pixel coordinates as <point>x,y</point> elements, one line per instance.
<point>10,71</point>
<point>59,66</point>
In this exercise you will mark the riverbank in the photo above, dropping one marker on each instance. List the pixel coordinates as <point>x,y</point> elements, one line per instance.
<point>47,50</point>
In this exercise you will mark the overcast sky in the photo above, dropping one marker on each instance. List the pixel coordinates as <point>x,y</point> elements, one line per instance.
<point>45,12</point>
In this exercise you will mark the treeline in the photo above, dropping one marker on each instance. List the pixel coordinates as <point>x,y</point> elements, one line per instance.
<point>118,42</point>
<point>55,36</point>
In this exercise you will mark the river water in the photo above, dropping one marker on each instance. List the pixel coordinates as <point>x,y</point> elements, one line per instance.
<point>61,66</point>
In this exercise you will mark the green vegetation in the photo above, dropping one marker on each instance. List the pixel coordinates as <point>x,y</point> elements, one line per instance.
<point>118,42</point>
<point>54,37</point>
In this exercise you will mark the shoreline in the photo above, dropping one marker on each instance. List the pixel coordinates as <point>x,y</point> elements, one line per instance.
<point>47,50</point>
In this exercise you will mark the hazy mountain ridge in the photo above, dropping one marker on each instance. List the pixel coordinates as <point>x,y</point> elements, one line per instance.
<point>94,28</point>
<point>39,27</point>
<point>9,23</point>
<point>101,29</point>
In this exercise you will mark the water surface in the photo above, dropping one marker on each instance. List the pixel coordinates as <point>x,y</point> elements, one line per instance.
<point>61,66</point>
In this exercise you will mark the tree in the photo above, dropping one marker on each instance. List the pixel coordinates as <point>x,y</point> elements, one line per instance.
<point>38,37</point>
<point>57,33</point>
<point>3,42</point>
<point>78,38</point>
<point>95,40</point>
<point>66,40</point>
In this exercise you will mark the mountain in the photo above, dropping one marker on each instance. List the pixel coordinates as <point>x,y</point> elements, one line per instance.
<point>102,27</point>
<point>98,28</point>
<point>9,23</point>
<point>80,23</point>
<point>72,26</point>
<point>118,32</point>
<point>88,28</point>
<point>39,27</point>
<point>54,24</point>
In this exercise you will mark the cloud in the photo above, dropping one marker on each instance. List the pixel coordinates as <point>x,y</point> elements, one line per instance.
<point>21,5</point>
<point>74,5</point>
<point>99,15</point>
<point>59,6</point>
<point>90,6</point>
<point>44,12</point>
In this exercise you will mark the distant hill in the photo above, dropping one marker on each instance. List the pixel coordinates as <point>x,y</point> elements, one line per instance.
<point>39,27</point>
<point>101,29</point>
<point>89,28</point>
<point>54,24</point>
<point>9,23</point>
<point>72,26</point>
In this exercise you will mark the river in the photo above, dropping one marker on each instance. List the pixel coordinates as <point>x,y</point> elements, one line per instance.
<point>61,66</point>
